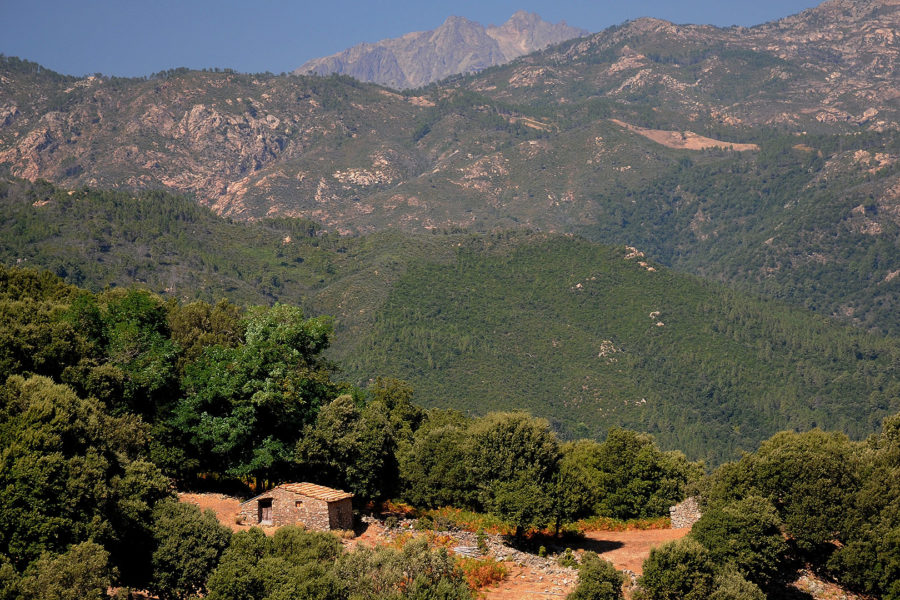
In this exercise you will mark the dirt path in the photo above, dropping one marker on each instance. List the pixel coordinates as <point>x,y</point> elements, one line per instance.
<point>628,549</point>
<point>624,549</point>
<point>525,583</point>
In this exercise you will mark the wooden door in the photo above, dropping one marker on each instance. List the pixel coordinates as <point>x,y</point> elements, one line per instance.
<point>265,511</point>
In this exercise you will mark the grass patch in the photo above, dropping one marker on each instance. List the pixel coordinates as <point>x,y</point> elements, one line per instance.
<point>466,520</point>
<point>611,524</point>
<point>482,572</point>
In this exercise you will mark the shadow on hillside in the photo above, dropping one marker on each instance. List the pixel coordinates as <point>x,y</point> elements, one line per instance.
<point>788,593</point>
<point>559,544</point>
<point>360,527</point>
<point>598,546</point>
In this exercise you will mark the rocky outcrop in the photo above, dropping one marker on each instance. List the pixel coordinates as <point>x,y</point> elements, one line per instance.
<point>457,46</point>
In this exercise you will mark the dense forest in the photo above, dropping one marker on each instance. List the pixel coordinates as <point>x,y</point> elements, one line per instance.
<point>586,335</point>
<point>111,398</point>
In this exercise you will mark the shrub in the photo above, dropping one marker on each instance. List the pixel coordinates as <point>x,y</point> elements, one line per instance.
<point>679,570</point>
<point>567,559</point>
<point>298,546</point>
<point>481,573</point>
<point>81,573</point>
<point>481,541</point>
<point>597,580</point>
<point>746,533</point>
<point>731,585</point>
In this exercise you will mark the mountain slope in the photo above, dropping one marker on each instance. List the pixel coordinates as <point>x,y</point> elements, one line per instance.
<point>587,335</point>
<point>766,157</point>
<point>457,46</point>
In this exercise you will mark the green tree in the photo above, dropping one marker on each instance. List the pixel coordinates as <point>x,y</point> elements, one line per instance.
<point>139,343</point>
<point>869,559</point>
<point>575,485</point>
<point>747,534</point>
<point>514,457</point>
<point>69,471</point>
<point>245,407</point>
<point>80,573</point>
<point>198,325</point>
<point>350,448</point>
<point>187,546</point>
<point>809,477</point>
<point>434,468</point>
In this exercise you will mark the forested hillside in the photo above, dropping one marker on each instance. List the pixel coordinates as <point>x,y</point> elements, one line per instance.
<point>589,336</point>
<point>112,397</point>
<point>727,153</point>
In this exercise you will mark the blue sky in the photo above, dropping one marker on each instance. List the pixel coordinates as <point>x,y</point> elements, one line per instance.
<point>129,37</point>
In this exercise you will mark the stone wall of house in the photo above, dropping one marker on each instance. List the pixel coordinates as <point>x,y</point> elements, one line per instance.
<point>340,514</point>
<point>686,513</point>
<point>289,508</point>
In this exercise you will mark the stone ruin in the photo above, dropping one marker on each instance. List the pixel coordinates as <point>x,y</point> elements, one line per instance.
<point>686,513</point>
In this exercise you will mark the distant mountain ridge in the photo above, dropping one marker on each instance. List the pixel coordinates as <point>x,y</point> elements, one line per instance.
<point>621,136</point>
<point>457,46</point>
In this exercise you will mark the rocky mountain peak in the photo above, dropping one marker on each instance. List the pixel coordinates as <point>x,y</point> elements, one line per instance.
<point>459,45</point>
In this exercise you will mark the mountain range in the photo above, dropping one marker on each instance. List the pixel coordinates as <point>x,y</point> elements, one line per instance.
<point>768,157</point>
<point>457,46</point>
<point>449,228</point>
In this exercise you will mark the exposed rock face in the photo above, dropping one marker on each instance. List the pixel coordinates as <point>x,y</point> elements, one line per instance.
<point>357,158</point>
<point>457,46</point>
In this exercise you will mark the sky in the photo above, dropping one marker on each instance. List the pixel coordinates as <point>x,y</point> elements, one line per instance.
<point>135,38</point>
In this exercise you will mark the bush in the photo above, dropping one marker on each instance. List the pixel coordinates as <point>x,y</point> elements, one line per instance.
<point>746,533</point>
<point>9,580</point>
<point>414,572</point>
<point>481,573</point>
<point>597,580</point>
<point>188,545</point>
<point>680,570</point>
<point>731,585</point>
<point>568,559</point>
<point>298,546</point>
<point>481,541</point>
<point>424,523</point>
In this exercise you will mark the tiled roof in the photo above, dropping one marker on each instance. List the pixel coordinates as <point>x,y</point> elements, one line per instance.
<point>319,492</point>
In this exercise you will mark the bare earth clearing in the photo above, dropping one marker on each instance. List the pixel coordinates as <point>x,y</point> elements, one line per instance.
<point>536,578</point>
<point>625,549</point>
<point>683,140</point>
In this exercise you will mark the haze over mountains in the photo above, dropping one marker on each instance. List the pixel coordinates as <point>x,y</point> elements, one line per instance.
<point>457,46</point>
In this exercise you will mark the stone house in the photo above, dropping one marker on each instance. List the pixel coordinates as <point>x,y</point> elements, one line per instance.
<point>314,506</point>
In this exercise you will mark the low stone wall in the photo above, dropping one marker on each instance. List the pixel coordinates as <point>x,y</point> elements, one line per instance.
<point>685,514</point>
